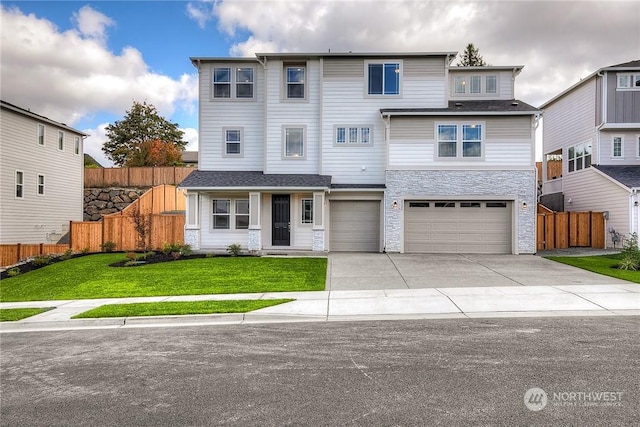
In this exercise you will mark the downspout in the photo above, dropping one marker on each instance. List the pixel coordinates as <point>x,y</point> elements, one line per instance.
<point>387,136</point>
<point>603,114</point>
<point>265,97</point>
<point>634,211</point>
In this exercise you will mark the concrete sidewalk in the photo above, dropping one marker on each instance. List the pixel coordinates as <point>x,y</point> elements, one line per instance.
<point>424,303</point>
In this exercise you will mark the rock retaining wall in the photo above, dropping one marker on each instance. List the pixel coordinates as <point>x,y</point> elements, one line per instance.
<point>103,201</point>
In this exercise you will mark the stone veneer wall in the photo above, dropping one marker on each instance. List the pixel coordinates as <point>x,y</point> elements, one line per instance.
<point>504,184</point>
<point>103,201</point>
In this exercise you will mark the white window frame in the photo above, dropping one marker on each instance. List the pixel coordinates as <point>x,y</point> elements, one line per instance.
<point>306,207</point>
<point>630,79</point>
<point>237,203</point>
<point>40,185</point>
<point>226,142</point>
<point>582,156</point>
<point>40,135</point>
<point>638,145</point>
<point>613,146</point>
<point>285,130</point>
<point>233,214</point>
<point>215,214</point>
<point>19,184</point>
<point>60,140</point>
<point>233,82</point>
<point>495,84</point>
<point>383,62</point>
<point>460,141</point>
<point>76,145</point>
<point>475,84</point>
<point>286,82</point>
<point>251,83</point>
<point>343,135</point>
<point>192,209</point>
<point>459,85</point>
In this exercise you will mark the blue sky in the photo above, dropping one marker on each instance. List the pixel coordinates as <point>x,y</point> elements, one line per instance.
<point>84,62</point>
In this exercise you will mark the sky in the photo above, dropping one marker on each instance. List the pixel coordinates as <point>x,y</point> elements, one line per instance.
<point>83,63</point>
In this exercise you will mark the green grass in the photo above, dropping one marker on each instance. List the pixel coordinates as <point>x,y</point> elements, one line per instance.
<point>178,308</point>
<point>13,314</point>
<point>602,264</point>
<point>91,277</point>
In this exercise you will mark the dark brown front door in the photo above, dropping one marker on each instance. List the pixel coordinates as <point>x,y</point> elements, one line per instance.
<point>281,235</point>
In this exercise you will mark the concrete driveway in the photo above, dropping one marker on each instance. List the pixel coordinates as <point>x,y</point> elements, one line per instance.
<point>359,271</point>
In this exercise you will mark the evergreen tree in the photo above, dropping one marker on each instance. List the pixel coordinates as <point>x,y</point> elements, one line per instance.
<point>471,57</point>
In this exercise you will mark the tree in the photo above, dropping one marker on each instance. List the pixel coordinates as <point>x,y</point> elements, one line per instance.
<point>471,57</point>
<point>142,123</point>
<point>155,153</point>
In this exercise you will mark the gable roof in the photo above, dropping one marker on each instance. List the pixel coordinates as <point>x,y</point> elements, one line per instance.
<point>204,180</point>
<point>629,176</point>
<point>8,106</point>
<point>491,107</point>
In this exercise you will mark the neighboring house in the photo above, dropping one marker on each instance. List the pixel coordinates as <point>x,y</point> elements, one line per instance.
<point>395,152</point>
<point>593,129</point>
<point>41,176</point>
<point>190,159</point>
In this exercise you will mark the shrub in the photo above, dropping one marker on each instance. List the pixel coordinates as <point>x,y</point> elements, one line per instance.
<point>176,250</point>
<point>13,271</point>
<point>67,254</point>
<point>108,246</point>
<point>630,255</point>
<point>85,251</point>
<point>131,256</point>
<point>234,249</point>
<point>41,260</point>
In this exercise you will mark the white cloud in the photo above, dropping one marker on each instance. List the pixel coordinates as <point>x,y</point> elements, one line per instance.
<point>200,12</point>
<point>191,136</point>
<point>68,75</point>
<point>93,144</point>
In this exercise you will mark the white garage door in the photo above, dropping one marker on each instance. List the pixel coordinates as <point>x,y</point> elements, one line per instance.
<point>457,227</point>
<point>355,226</point>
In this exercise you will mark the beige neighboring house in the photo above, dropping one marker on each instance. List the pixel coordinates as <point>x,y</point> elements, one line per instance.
<point>41,176</point>
<point>190,159</point>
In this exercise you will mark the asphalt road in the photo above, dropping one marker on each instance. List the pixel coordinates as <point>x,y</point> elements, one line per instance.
<point>392,373</point>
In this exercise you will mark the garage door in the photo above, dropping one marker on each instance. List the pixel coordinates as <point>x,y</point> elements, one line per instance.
<point>457,227</point>
<point>355,226</point>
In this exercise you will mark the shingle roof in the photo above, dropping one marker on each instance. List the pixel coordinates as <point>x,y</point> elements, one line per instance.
<point>513,106</point>
<point>29,113</point>
<point>625,175</point>
<point>630,64</point>
<point>253,179</point>
<point>358,186</point>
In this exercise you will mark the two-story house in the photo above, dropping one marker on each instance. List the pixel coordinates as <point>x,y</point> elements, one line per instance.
<point>396,152</point>
<point>41,176</point>
<point>593,129</point>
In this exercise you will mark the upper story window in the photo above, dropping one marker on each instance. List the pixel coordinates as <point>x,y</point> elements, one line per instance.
<point>40,186</point>
<point>60,140</point>
<point>352,134</point>
<point>638,145</point>
<point>617,146</point>
<point>19,184</point>
<point>383,78</point>
<point>232,142</point>
<point>294,143</point>
<point>474,84</point>
<point>229,83</point>
<point>40,134</point>
<point>295,77</point>
<point>629,81</point>
<point>491,84</point>
<point>76,145</point>
<point>579,157</point>
<point>459,84</point>
<point>456,141</point>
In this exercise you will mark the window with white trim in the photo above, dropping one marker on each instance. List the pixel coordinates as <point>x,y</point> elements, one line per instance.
<point>459,84</point>
<point>225,209</point>
<point>629,81</point>
<point>232,142</point>
<point>221,214</point>
<point>233,83</point>
<point>352,134</point>
<point>579,157</point>
<point>638,145</point>
<point>459,141</point>
<point>307,211</point>
<point>60,140</point>
<point>617,146</point>
<point>295,78</point>
<point>40,134</point>
<point>474,84</point>
<point>491,84</point>
<point>383,78</point>
<point>244,82</point>
<point>293,144</point>
<point>242,214</point>
<point>19,184</point>
<point>222,82</point>
<point>40,186</point>
<point>76,145</point>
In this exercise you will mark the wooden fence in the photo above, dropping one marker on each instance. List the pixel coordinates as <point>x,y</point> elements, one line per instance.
<point>561,230</point>
<point>135,177</point>
<point>12,253</point>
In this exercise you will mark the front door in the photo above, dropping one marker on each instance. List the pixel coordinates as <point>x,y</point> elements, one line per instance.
<point>281,220</point>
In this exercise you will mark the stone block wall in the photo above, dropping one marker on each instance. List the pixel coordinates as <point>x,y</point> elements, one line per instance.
<point>103,201</point>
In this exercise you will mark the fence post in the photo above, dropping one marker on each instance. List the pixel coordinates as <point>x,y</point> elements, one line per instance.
<point>18,252</point>
<point>40,249</point>
<point>70,234</point>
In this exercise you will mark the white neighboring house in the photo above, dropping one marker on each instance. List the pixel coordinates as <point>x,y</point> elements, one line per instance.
<point>594,127</point>
<point>396,152</point>
<point>41,176</point>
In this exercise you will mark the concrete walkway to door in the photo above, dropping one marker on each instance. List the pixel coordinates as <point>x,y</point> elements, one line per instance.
<point>374,271</point>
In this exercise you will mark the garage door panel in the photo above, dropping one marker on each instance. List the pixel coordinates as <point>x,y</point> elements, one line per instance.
<point>355,226</point>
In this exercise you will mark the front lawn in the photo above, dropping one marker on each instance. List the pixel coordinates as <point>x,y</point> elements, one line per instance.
<point>91,277</point>
<point>13,314</point>
<point>602,264</point>
<point>178,308</point>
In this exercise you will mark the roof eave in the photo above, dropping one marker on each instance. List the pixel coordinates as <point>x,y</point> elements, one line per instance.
<point>257,188</point>
<point>460,113</point>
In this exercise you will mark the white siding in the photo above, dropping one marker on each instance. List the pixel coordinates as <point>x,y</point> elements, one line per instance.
<point>218,239</point>
<point>218,114</point>
<point>629,148</point>
<point>32,218</point>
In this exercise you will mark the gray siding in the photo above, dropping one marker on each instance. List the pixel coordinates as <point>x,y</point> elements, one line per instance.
<point>342,68</point>
<point>623,106</point>
<point>423,67</point>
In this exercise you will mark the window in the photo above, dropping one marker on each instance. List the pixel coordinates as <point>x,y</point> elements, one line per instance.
<point>242,214</point>
<point>40,134</point>
<point>295,82</point>
<point>221,214</point>
<point>19,184</point>
<point>418,204</point>
<point>232,142</point>
<point>222,82</point>
<point>471,140</point>
<point>307,211</point>
<point>629,81</point>
<point>192,209</point>
<point>459,84</point>
<point>60,140</point>
<point>294,142</point>
<point>76,145</point>
<point>496,204</point>
<point>638,145</point>
<point>459,140</point>
<point>352,134</point>
<point>491,84</point>
<point>384,78</point>
<point>447,140</point>
<point>474,84</point>
<point>617,146</point>
<point>444,204</point>
<point>579,157</point>
<point>244,82</point>
<point>40,189</point>
<point>470,204</point>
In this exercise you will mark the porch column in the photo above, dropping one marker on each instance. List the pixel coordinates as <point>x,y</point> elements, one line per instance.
<point>255,227</point>
<point>318,222</point>
<point>192,221</point>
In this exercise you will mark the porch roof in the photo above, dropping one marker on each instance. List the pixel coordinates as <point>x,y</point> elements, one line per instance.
<point>254,180</point>
<point>628,176</point>
<point>468,107</point>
